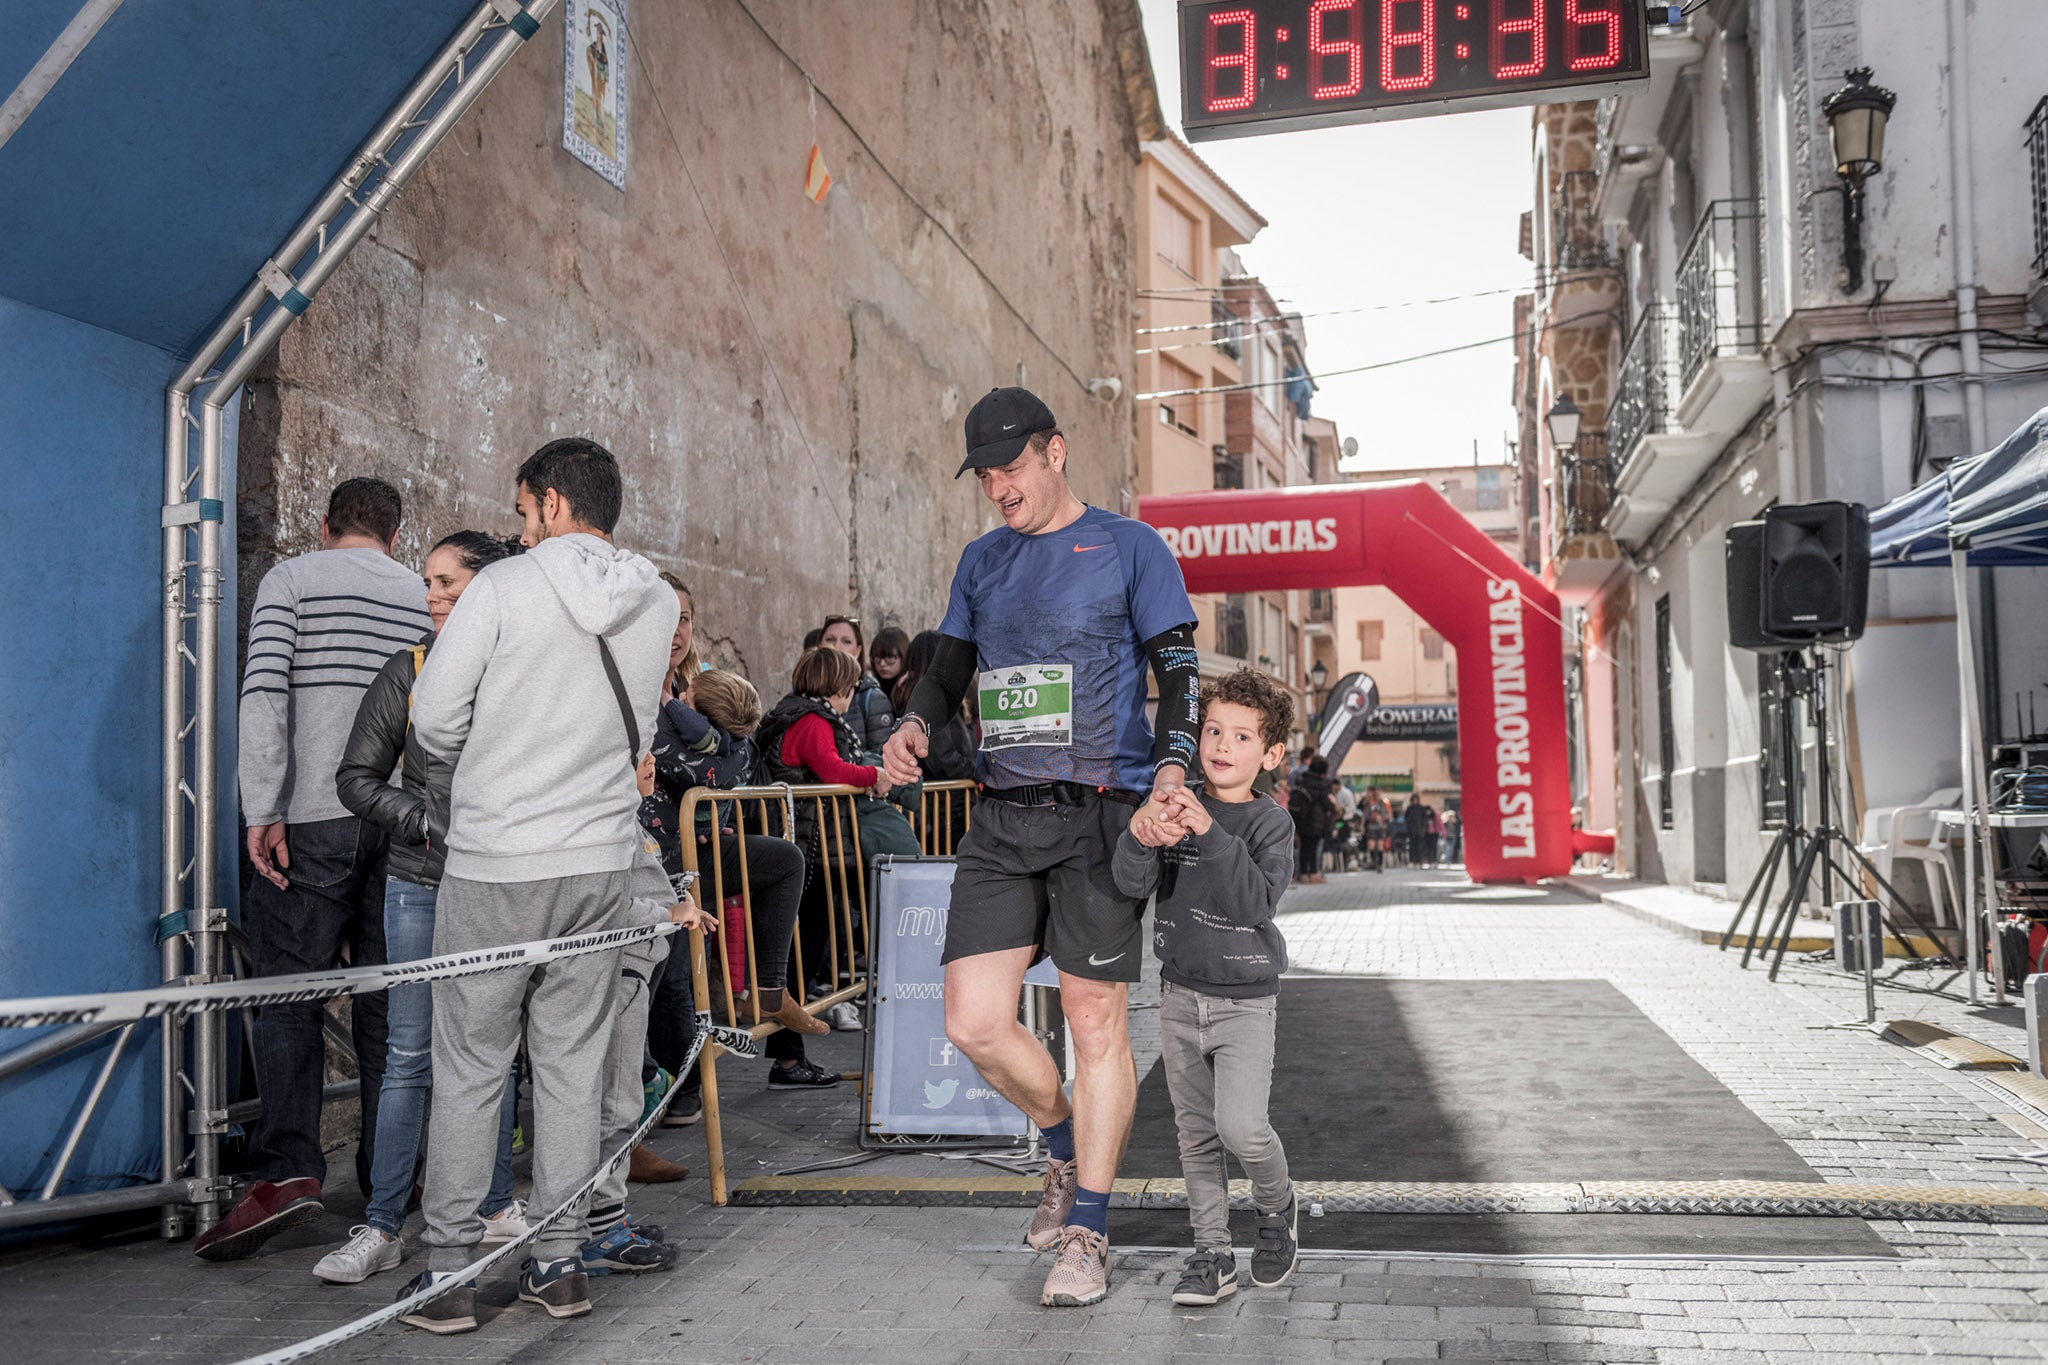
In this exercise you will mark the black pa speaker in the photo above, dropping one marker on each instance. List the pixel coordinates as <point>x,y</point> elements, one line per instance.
<point>1816,572</point>
<point>1746,591</point>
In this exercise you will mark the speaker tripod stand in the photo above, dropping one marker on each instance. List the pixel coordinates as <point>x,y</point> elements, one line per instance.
<point>1802,852</point>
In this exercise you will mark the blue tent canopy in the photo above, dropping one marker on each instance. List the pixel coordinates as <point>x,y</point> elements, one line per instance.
<point>1993,507</point>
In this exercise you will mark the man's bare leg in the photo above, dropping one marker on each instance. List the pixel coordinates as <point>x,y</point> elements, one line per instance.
<point>982,994</point>
<point>1105,1078</point>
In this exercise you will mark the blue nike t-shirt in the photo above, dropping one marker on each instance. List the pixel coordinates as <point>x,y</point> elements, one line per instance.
<point>1059,623</point>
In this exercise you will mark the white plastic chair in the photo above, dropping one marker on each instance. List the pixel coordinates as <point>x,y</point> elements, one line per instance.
<point>1909,833</point>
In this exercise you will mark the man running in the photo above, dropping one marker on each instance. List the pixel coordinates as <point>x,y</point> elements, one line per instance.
<point>1053,618</point>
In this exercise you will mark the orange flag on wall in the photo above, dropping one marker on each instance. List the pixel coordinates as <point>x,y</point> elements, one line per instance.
<point>817,180</point>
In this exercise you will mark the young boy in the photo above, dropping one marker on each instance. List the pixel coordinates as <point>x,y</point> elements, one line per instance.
<point>1220,959</point>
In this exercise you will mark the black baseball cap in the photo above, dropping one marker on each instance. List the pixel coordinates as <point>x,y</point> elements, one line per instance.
<point>999,426</point>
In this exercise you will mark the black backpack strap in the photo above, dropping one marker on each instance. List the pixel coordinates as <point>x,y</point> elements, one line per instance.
<point>611,671</point>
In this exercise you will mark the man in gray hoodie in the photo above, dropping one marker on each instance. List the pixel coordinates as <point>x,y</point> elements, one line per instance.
<point>542,690</point>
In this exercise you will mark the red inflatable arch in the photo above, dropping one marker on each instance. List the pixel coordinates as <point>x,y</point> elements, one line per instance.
<point>1502,621</point>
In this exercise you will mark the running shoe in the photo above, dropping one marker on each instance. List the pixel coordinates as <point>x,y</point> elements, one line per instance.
<point>626,1248</point>
<point>506,1225</point>
<point>1080,1273</point>
<point>1054,1205</point>
<point>844,1017</point>
<point>454,1311</point>
<point>1279,1246</point>
<point>561,1287</point>
<point>803,1074</point>
<point>686,1110</point>
<point>1210,1277</point>
<point>367,1251</point>
<point>266,1210</point>
<point>653,1091</point>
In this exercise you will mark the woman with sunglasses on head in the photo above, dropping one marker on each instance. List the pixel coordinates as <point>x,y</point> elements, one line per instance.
<point>869,714</point>
<point>415,813</point>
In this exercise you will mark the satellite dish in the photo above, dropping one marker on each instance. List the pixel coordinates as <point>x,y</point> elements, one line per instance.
<point>1350,447</point>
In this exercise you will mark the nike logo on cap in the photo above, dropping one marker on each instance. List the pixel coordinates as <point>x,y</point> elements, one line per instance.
<point>1095,961</point>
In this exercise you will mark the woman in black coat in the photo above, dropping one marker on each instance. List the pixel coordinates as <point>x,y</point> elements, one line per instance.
<point>1315,812</point>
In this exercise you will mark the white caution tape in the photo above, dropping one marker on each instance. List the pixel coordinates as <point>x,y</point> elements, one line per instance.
<point>730,1039</point>
<point>123,1006</point>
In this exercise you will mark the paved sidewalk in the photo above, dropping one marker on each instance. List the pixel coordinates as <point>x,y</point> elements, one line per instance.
<point>912,1285</point>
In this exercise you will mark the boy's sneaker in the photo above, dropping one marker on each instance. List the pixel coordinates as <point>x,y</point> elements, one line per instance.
<point>266,1210</point>
<point>367,1251</point>
<point>1054,1205</point>
<point>844,1017</point>
<point>1080,1273</point>
<point>651,1231</point>
<point>454,1311</point>
<point>506,1225</point>
<point>1278,1249</point>
<point>1210,1277</point>
<point>802,1074</point>
<point>685,1110</point>
<point>626,1248</point>
<point>653,1091</point>
<point>560,1286</point>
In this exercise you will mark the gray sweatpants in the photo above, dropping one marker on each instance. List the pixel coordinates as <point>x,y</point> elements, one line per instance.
<point>1219,1071</point>
<point>567,1005</point>
<point>625,1095</point>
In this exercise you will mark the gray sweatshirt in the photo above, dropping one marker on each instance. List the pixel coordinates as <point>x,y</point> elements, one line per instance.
<point>323,625</point>
<point>1213,921</point>
<point>515,695</point>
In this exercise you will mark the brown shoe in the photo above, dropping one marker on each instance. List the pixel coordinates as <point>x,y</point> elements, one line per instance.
<point>649,1169</point>
<point>1054,1205</point>
<point>778,1005</point>
<point>266,1210</point>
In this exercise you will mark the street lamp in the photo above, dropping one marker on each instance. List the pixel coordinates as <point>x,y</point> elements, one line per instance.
<point>1563,421</point>
<point>1857,114</point>
<point>1318,676</point>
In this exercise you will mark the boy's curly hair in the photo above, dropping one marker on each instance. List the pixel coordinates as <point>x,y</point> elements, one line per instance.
<point>1260,691</point>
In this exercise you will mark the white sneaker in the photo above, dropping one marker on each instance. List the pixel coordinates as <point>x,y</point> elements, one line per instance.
<point>844,1017</point>
<point>366,1252</point>
<point>507,1224</point>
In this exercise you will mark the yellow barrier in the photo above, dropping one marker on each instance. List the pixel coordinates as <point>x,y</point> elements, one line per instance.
<point>826,816</point>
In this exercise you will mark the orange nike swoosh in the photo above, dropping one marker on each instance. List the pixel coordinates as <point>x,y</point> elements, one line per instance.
<point>1084,549</point>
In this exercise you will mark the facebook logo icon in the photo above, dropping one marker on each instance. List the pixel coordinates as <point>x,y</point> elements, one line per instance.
<point>942,1053</point>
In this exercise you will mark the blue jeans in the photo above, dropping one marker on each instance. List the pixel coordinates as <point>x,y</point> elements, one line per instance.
<point>409,1069</point>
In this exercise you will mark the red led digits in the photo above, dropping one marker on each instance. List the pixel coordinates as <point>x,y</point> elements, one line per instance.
<point>1222,61</point>
<point>1580,15</point>
<point>1505,28</point>
<point>1321,49</point>
<point>1423,40</point>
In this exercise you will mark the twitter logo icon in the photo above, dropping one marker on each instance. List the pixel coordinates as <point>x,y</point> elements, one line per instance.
<point>939,1094</point>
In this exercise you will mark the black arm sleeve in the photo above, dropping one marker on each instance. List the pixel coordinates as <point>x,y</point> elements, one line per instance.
<point>938,694</point>
<point>1179,672</point>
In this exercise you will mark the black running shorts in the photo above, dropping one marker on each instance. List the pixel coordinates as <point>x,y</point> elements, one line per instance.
<point>1039,877</point>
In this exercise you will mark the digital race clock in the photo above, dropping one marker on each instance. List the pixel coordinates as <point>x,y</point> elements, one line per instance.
<point>1259,66</point>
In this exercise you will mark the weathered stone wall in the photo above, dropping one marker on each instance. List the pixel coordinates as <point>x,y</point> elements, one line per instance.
<point>783,382</point>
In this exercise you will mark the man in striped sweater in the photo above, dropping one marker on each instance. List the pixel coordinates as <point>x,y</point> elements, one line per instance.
<point>323,624</point>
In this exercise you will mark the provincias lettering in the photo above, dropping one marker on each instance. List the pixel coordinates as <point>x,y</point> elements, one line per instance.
<point>1511,719</point>
<point>1251,538</point>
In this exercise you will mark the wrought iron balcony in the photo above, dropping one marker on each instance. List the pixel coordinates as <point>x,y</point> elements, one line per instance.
<point>2037,165</point>
<point>1646,386</point>
<point>1577,243</point>
<point>1226,327</point>
<point>1720,287</point>
<point>1233,636</point>
<point>1585,486</point>
<point>1322,606</point>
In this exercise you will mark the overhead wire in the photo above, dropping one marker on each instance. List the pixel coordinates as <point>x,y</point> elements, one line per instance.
<point>1214,323</point>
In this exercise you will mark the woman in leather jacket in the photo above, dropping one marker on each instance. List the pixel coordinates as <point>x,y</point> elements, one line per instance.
<point>415,813</point>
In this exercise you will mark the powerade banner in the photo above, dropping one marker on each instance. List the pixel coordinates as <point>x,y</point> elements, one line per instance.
<point>1437,720</point>
<point>921,1085</point>
<point>1514,765</point>
<point>1352,701</point>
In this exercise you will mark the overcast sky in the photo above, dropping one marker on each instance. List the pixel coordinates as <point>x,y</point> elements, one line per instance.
<point>1381,214</point>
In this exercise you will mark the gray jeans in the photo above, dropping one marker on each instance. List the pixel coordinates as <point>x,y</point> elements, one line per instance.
<point>567,1005</point>
<point>625,1097</point>
<point>1219,1070</point>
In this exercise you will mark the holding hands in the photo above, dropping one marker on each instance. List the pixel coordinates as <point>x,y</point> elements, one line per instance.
<point>1159,823</point>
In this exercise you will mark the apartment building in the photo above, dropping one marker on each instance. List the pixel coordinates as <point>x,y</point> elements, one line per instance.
<point>1739,306</point>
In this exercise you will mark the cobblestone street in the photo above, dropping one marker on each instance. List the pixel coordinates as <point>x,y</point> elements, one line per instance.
<point>912,1285</point>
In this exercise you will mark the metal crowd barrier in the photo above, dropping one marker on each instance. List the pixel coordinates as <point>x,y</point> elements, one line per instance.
<point>823,821</point>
